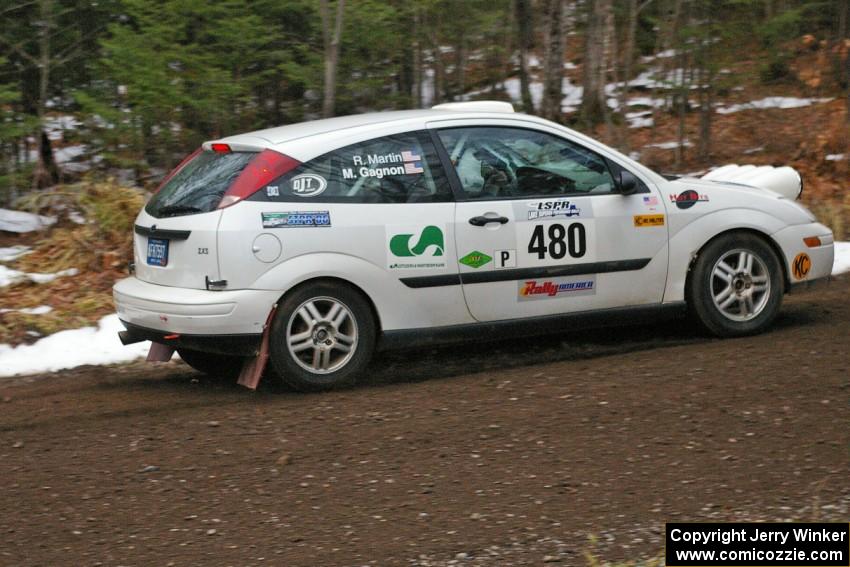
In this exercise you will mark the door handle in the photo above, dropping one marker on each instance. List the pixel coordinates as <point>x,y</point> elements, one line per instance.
<point>484,221</point>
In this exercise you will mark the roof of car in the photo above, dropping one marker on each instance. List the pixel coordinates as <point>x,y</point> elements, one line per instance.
<point>305,140</point>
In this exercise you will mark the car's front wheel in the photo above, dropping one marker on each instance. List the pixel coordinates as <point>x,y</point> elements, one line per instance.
<point>322,337</point>
<point>736,286</point>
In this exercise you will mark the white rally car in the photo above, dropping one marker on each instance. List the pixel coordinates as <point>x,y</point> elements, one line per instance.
<point>312,244</point>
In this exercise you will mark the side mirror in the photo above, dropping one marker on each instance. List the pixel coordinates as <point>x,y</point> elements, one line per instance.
<point>627,183</point>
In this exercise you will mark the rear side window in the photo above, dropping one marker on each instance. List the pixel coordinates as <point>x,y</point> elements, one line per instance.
<point>199,185</point>
<point>402,168</point>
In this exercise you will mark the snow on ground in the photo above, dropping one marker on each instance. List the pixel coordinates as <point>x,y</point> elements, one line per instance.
<point>68,349</point>
<point>20,221</point>
<point>10,253</point>
<point>669,145</point>
<point>8,276</point>
<point>772,102</point>
<point>100,345</point>
<point>842,258</point>
<point>40,310</point>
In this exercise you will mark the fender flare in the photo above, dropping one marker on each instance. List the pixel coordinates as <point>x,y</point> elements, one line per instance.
<point>687,242</point>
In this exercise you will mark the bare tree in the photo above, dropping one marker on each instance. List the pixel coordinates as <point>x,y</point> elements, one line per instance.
<point>635,9</point>
<point>525,38</point>
<point>843,8</point>
<point>417,59</point>
<point>593,105</point>
<point>331,44</point>
<point>553,60</point>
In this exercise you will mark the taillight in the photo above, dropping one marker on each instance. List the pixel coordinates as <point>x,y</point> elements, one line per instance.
<point>220,148</point>
<point>263,169</point>
<point>180,166</point>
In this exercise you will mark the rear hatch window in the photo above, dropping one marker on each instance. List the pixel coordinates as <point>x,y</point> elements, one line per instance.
<point>199,185</point>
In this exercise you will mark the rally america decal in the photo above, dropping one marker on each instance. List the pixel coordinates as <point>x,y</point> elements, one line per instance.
<point>295,219</point>
<point>406,162</point>
<point>416,247</point>
<point>549,288</point>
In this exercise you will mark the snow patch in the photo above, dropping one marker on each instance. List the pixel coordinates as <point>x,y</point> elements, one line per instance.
<point>11,253</point>
<point>40,310</point>
<point>8,276</point>
<point>836,157</point>
<point>669,145</point>
<point>782,102</point>
<point>841,263</point>
<point>68,349</point>
<point>20,221</point>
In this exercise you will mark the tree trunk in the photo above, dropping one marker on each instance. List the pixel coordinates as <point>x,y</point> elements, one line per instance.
<point>46,172</point>
<point>553,60</point>
<point>331,43</point>
<point>593,109</point>
<point>417,60</point>
<point>525,25</point>
<point>460,65</point>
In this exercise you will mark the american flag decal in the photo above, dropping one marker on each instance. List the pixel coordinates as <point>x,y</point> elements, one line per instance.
<point>413,167</point>
<point>407,155</point>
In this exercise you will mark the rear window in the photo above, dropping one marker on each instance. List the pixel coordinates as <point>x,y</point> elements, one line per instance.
<point>199,185</point>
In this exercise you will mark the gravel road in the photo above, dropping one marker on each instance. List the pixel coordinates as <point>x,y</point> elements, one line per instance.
<point>519,452</point>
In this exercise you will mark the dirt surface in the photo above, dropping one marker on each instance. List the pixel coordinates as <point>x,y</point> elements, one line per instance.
<point>508,453</point>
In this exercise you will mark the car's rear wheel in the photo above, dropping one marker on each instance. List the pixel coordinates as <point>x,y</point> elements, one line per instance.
<point>736,286</point>
<point>322,337</point>
<point>220,366</point>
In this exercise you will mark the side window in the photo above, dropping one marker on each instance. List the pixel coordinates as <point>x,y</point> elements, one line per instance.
<point>402,168</point>
<point>498,162</point>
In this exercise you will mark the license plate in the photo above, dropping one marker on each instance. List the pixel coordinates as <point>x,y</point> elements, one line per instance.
<point>157,252</point>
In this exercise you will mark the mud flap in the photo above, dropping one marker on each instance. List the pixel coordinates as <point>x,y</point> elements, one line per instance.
<point>160,353</point>
<point>252,369</point>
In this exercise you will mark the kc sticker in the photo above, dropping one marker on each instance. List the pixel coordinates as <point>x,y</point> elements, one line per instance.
<point>801,266</point>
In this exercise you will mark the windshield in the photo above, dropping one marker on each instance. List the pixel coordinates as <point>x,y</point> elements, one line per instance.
<point>199,185</point>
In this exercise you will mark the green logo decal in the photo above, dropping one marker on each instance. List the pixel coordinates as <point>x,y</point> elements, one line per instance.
<point>400,244</point>
<point>475,259</point>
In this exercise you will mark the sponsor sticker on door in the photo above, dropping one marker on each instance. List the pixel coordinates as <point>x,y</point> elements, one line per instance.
<point>475,259</point>
<point>553,209</point>
<point>416,247</point>
<point>551,288</point>
<point>648,220</point>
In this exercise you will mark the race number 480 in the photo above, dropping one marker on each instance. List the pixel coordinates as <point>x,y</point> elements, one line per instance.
<point>561,240</point>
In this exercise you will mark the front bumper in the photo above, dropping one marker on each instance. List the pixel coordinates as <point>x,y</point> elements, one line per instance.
<point>821,257</point>
<point>183,311</point>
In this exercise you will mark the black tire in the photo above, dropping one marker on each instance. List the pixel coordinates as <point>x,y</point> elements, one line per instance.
<point>220,366</point>
<point>305,370</point>
<point>706,294</point>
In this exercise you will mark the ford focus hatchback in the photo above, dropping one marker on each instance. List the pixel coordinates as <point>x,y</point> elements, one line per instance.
<point>310,245</point>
